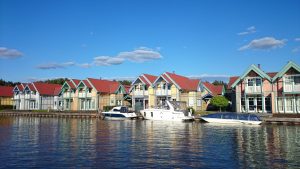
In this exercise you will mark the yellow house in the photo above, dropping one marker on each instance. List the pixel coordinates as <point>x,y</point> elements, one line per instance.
<point>68,91</point>
<point>93,94</point>
<point>6,96</point>
<point>142,92</point>
<point>173,87</point>
<point>208,91</point>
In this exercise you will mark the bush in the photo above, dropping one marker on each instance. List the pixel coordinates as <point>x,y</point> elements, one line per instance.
<point>219,101</point>
<point>190,109</point>
<point>3,107</point>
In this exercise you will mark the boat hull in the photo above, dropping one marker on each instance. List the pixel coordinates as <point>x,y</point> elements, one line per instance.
<point>109,115</point>
<point>165,115</point>
<point>229,121</point>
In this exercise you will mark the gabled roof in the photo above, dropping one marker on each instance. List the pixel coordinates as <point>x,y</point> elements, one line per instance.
<point>104,86</point>
<point>287,67</point>
<point>47,88</point>
<point>214,89</point>
<point>6,91</point>
<point>127,88</point>
<point>20,87</point>
<point>251,68</point>
<point>231,81</point>
<point>146,79</point>
<point>181,82</point>
<point>75,81</point>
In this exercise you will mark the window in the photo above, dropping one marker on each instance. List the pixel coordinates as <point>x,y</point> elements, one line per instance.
<point>199,102</point>
<point>243,104</point>
<point>258,82</point>
<point>164,86</point>
<point>151,114</point>
<point>169,86</point>
<point>259,104</point>
<point>146,87</point>
<point>289,104</point>
<point>280,104</point>
<point>250,82</point>
<point>116,110</point>
<point>144,114</point>
<point>268,103</point>
<point>297,80</point>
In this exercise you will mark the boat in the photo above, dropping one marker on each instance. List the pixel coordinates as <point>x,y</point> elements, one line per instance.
<point>119,112</point>
<point>171,111</point>
<point>228,117</point>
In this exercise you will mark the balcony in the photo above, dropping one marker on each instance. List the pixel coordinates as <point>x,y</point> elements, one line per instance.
<point>30,96</point>
<point>68,95</point>
<point>84,95</point>
<point>253,89</point>
<point>16,97</point>
<point>291,84</point>
<point>163,92</point>
<point>140,93</point>
<point>290,88</point>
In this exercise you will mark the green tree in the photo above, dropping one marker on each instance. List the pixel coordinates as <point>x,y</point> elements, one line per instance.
<point>219,101</point>
<point>125,82</point>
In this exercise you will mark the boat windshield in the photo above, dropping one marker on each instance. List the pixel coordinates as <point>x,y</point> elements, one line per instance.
<point>124,110</point>
<point>178,106</point>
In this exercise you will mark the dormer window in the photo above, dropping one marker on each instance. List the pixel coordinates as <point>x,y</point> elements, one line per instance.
<point>146,87</point>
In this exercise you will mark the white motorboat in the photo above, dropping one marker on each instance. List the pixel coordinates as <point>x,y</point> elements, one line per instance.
<point>172,111</point>
<point>120,112</point>
<point>232,118</point>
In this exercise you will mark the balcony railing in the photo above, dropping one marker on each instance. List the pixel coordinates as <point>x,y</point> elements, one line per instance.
<point>30,96</point>
<point>84,95</point>
<point>68,95</point>
<point>140,93</point>
<point>253,89</point>
<point>287,87</point>
<point>163,92</point>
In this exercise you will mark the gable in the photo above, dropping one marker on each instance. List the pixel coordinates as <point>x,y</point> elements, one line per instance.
<point>289,68</point>
<point>252,71</point>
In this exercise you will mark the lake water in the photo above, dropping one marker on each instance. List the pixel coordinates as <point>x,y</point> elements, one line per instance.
<point>91,143</point>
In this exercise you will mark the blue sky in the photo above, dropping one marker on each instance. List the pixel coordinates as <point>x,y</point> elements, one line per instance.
<point>122,39</point>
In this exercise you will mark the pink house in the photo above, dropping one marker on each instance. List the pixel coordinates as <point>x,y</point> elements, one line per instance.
<point>267,92</point>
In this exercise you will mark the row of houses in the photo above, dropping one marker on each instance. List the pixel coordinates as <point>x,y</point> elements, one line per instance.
<point>254,91</point>
<point>146,91</point>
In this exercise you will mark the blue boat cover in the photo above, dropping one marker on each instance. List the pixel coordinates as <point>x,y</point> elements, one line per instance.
<point>230,115</point>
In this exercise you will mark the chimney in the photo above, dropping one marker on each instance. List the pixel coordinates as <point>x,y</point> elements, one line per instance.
<point>258,65</point>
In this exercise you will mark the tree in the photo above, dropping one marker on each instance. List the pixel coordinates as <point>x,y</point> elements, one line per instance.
<point>219,101</point>
<point>125,82</point>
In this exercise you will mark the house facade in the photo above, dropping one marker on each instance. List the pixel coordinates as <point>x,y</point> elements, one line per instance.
<point>142,92</point>
<point>93,94</point>
<point>6,96</point>
<point>256,91</point>
<point>173,87</point>
<point>37,96</point>
<point>68,92</point>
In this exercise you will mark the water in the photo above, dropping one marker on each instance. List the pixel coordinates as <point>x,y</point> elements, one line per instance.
<point>90,143</point>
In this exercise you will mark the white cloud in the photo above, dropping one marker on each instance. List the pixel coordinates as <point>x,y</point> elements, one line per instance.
<point>85,65</point>
<point>141,54</point>
<point>107,61</point>
<point>6,53</point>
<point>295,50</point>
<point>297,39</point>
<point>264,44</point>
<point>249,30</point>
<point>55,65</point>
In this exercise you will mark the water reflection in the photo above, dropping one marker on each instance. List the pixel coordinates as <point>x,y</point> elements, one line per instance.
<point>92,143</point>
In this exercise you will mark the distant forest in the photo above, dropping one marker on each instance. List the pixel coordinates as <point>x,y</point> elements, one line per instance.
<point>60,81</point>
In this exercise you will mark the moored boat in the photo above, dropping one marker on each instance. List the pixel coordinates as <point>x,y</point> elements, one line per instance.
<point>232,118</point>
<point>171,111</point>
<point>120,112</point>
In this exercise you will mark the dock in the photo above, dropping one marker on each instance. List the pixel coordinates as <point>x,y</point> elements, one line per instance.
<point>52,114</point>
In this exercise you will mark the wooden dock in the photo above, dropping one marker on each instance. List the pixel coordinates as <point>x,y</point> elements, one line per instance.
<point>52,114</point>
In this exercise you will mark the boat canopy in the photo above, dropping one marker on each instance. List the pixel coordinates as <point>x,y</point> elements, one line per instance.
<point>229,115</point>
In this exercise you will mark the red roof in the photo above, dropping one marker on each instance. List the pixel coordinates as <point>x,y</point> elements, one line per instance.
<point>87,84</point>
<point>272,74</point>
<point>21,86</point>
<point>46,88</point>
<point>105,86</point>
<point>76,81</point>
<point>183,82</point>
<point>215,89</point>
<point>6,91</point>
<point>127,88</point>
<point>232,80</point>
<point>31,87</point>
<point>151,78</point>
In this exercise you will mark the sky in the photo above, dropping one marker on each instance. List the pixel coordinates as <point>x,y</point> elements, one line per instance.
<point>120,39</point>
